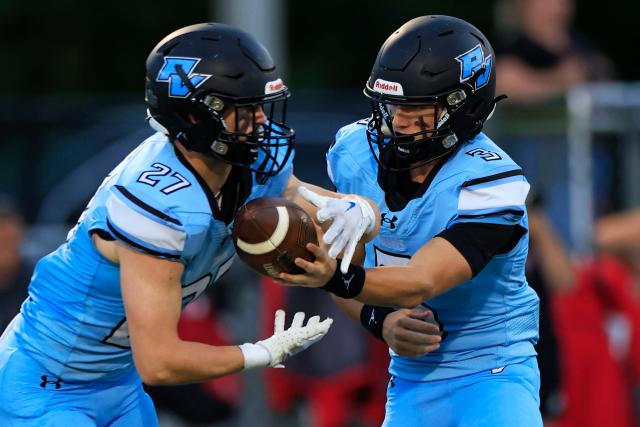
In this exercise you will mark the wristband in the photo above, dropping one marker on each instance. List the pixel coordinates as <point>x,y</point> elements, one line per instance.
<point>255,356</point>
<point>372,318</point>
<point>346,285</point>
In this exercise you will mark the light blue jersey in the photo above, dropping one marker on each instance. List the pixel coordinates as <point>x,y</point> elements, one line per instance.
<point>491,320</point>
<point>73,323</point>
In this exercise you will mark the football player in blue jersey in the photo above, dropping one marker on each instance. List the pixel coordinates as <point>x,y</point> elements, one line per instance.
<point>453,242</point>
<point>103,309</point>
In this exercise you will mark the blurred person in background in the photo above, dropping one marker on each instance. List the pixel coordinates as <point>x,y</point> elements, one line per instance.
<point>453,239</point>
<point>541,55</point>
<point>14,270</point>
<point>103,309</point>
<point>598,330</point>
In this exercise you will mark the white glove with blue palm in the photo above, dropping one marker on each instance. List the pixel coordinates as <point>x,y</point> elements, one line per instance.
<point>283,343</point>
<point>351,216</point>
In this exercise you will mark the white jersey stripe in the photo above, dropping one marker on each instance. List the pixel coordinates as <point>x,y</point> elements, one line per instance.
<point>143,228</point>
<point>509,194</point>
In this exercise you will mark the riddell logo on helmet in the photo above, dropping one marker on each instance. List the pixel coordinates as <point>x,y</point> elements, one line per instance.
<point>273,86</point>
<point>390,88</point>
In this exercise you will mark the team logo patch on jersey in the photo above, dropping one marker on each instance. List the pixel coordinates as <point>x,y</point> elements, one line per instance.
<point>169,73</point>
<point>472,61</point>
<point>390,88</point>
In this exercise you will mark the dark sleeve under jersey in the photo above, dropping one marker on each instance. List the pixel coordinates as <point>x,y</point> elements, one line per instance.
<point>478,242</point>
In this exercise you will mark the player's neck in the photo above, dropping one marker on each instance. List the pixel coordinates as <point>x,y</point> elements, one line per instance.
<point>420,173</point>
<point>214,172</point>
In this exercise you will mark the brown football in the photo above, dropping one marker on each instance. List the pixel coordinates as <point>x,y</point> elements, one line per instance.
<point>269,233</point>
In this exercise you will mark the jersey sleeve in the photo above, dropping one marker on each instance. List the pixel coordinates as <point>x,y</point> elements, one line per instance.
<point>342,169</point>
<point>141,225</point>
<point>497,198</point>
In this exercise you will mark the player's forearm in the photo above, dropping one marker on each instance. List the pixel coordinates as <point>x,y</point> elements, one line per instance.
<point>398,286</point>
<point>435,268</point>
<point>186,362</point>
<point>350,307</point>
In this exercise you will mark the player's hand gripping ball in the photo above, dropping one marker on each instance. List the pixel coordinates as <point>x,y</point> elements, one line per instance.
<point>269,233</point>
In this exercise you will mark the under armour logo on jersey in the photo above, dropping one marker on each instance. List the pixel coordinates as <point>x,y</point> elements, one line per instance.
<point>473,61</point>
<point>391,222</point>
<point>170,72</point>
<point>347,283</point>
<point>46,381</point>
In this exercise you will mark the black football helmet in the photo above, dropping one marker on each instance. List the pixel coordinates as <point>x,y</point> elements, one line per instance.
<point>198,74</point>
<point>431,60</point>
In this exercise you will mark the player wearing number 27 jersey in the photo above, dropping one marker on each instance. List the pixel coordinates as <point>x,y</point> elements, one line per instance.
<point>103,309</point>
<point>154,202</point>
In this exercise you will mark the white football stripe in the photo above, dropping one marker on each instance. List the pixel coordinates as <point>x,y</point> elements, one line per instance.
<point>272,242</point>
<point>509,194</point>
<point>142,228</point>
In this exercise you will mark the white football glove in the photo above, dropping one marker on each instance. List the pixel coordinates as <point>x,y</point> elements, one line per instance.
<point>351,216</point>
<point>284,343</point>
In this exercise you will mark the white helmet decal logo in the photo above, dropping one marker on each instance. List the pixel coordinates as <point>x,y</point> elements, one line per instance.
<point>273,86</point>
<point>387,87</point>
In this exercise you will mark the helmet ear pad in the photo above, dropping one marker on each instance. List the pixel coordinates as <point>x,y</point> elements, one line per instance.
<point>204,134</point>
<point>199,135</point>
<point>469,119</point>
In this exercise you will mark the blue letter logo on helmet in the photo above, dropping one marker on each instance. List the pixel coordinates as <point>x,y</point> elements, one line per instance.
<point>169,73</point>
<point>472,61</point>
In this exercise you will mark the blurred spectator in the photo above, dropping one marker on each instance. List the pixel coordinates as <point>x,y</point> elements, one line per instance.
<point>550,271</point>
<point>14,270</point>
<point>598,329</point>
<point>541,54</point>
<point>619,233</point>
<point>589,348</point>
